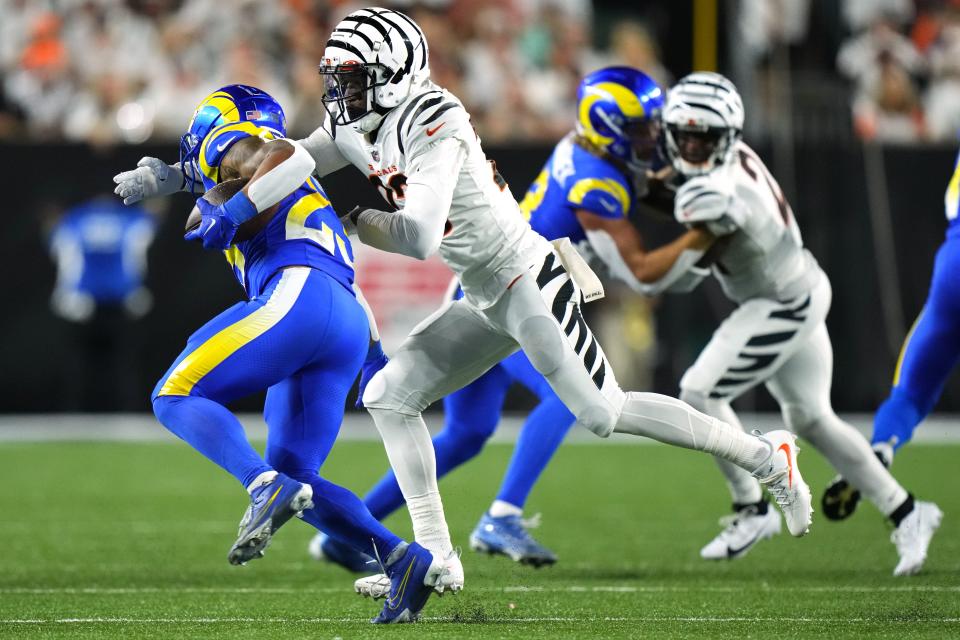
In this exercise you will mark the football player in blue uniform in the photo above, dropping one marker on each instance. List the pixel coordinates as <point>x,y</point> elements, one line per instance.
<point>585,192</point>
<point>301,335</point>
<point>929,353</point>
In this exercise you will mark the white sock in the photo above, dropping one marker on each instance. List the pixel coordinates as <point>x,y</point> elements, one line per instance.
<point>501,509</point>
<point>429,525</point>
<point>744,488</point>
<point>675,422</point>
<point>411,455</point>
<point>264,478</point>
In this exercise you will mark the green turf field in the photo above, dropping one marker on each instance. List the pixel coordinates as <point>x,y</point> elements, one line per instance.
<point>123,540</point>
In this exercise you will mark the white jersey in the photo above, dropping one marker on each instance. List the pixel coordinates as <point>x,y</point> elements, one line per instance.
<point>487,242</point>
<point>760,251</point>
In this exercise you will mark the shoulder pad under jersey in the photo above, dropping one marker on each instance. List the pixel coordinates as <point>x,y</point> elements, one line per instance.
<point>218,142</point>
<point>707,200</point>
<point>599,189</point>
<point>429,117</point>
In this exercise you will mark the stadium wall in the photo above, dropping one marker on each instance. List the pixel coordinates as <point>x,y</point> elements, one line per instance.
<point>831,202</point>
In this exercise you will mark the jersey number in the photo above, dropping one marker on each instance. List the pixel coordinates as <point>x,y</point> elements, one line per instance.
<point>746,161</point>
<point>534,195</point>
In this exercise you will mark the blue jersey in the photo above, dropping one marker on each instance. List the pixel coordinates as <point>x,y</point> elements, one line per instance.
<point>952,198</point>
<point>305,231</point>
<point>100,248</point>
<point>572,179</point>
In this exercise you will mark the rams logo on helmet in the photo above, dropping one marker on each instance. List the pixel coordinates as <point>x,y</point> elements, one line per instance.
<point>618,112</point>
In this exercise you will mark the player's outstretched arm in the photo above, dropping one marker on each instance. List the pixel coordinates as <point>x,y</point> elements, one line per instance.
<point>322,148</point>
<point>619,245</point>
<point>152,177</point>
<point>417,230</point>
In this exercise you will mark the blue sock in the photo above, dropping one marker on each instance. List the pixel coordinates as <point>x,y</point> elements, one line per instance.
<point>212,430</point>
<point>897,417</point>
<point>472,414</point>
<point>541,435</point>
<point>340,514</point>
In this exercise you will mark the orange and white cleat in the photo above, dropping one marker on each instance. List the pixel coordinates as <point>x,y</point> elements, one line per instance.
<point>780,474</point>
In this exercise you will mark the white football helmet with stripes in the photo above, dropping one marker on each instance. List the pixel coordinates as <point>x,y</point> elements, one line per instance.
<point>373,60</point>
<point>703,119</point>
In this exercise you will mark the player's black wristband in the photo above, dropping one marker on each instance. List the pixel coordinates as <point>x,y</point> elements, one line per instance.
<point>355,214</point>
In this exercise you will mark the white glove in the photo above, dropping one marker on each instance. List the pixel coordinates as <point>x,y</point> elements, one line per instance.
<point>152,177</point>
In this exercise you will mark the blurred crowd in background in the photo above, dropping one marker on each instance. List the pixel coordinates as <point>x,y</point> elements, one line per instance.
<point>105,71</point>
<point>818,77</point>
<point>129,70</point>
<point>904,62</point>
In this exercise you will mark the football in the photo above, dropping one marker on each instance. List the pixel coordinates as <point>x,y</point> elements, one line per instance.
<point>220,194</point>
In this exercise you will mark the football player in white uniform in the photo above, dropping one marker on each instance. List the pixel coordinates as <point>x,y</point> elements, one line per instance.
<point>414,141</point>
<point>777,335</point>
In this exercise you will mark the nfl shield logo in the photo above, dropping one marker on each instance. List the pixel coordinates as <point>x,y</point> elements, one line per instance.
<point>375,155</point>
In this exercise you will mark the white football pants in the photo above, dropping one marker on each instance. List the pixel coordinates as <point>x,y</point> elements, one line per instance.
<point>785,345</point>
<point>540,313</point>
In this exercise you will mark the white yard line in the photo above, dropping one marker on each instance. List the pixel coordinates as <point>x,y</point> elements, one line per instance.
<point>497,620</point>
<point>504,589</point>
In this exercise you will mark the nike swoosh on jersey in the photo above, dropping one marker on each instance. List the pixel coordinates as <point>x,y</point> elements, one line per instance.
<point>223,145</point>
<point>609,206</point>
<point>430,132</point>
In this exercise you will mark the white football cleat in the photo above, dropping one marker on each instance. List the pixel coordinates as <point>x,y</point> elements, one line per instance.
<point>743,529</point>
<point>913,537</point>
<point>451,577</point>
<point>780,474</point>
<point>376,586</point>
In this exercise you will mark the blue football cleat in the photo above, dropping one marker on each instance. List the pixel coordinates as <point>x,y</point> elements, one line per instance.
<point>271,505</point>
<point>408,593</point>
<point>324,548</point>
<point>508,536</point>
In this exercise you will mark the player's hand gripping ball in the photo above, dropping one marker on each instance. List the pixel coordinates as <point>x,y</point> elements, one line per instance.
<point>205,224</point>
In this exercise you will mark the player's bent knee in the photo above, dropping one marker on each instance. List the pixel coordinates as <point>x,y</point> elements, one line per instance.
<point>542,343</point>
<point>160,406</point>
<point>385,392</point>
<point>376,389</point>
<point>599,419</point>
